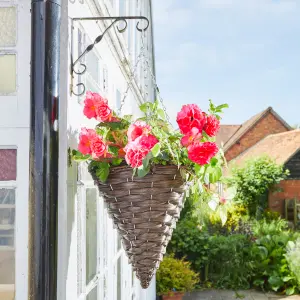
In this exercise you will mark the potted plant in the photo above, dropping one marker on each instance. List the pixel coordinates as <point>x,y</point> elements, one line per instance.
<point>143,169</point>
<point>175,277</point>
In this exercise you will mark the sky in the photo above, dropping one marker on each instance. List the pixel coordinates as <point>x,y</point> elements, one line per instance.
<point>242,52</point>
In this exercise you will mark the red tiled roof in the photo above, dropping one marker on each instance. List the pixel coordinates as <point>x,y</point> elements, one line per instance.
<point>225,133</point>
<point>249,124</point>
<point>281,147</point>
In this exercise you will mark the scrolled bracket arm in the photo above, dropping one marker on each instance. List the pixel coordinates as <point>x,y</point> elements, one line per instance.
<point>82,67</point>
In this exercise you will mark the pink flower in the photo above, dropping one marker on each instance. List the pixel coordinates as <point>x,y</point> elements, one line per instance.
<point>135,155</point>
<point>97,107</point>
<point>85,138</point>
<point>98,147</point>
<point>202,153</point>
<point>103,111</point>
<point>212,126</point>
<point>137,129</point>
<point>190,116</point>
<point>191,137</point>
<point>137,150</point>
<point>147,141</point>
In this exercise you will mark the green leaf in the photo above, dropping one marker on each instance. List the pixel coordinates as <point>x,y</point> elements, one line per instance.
<point>213,161</point>
<point>221,107</point>
<point>144,107</point>
<point>290,291</point>
<point>161,113</point>
<point>143,171</point>
<point>215,173</point>
<point>147,159</point>
<point>116,161</point>
<point>156,150</point>
<point>275,282</point>
<point>79,157</point>
<point>102,171</point>
<point>113,150</point>
<point>113,125</point>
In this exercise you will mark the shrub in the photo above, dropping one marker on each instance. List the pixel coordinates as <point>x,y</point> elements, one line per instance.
<point>293,258</point>
<point>271,269</point>
<point>254,180</point>
<point>191,242</point>
<point>263,227</point>
<point>175,275</point>
<point>230,261</point>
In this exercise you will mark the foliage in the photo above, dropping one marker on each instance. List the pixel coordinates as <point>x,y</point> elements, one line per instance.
<point>150,140</point>
<point>271,267</point>
<point>270,215</point>
<point>175,275</point>
<point>230,261</point>
<point>254,180</point>
<point>191,242</point>
<point>236,217</point>
<point>264,227</point>
<point>293,258</point>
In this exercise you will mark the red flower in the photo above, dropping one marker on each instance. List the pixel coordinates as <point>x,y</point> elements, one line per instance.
<point>193,136</point>
<point>147,141</point>
<point>212,126</point>
<point>85,138</point>
<point>98,147</point>
<point>190,116</point>
<point>137,129</point>
<point>97,107</point>
<point>202,153</point>
<point>135,155</point>
<point>103,111</point>
<point>137,150</point>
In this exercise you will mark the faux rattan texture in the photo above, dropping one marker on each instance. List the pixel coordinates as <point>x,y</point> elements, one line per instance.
<point>144,211</point>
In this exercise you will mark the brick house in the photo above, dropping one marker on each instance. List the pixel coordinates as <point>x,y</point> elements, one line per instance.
<point>266,134</point>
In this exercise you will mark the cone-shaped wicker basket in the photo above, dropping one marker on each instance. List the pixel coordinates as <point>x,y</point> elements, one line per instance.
<point>144,211</point>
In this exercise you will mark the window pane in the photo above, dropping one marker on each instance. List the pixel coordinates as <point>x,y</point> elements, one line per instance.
<point>119,282</point>
<point>8,73</point>
<point>92,63</point>
<point>91,233</point>
<point>8,17</point>
<point>93,295</point>
<point>118,99</point>
<point>8,163</point>
<point>7,251</point>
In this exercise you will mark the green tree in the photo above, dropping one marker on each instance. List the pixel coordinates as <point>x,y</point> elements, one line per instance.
<point>254,180</point>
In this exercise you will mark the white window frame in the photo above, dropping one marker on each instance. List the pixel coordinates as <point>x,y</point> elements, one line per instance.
<point>18,138</point>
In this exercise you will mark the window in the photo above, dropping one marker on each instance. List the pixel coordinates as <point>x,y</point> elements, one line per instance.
<point>8,73</point>
<point>8,26</point>
<point>118,99</point>
<point>8,158</point>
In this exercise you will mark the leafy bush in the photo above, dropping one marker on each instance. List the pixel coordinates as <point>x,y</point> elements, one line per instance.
<point>293,258</point>
<point>271,269</point>
<point>271,215</point>
<point>175,275</point>
<point>236,219</point>
<point>254,180</point>
<point>230,261</point>
<point>191,242</point>
<point>263,227</point>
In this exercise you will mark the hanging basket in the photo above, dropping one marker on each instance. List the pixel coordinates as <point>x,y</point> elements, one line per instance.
<point>145,211</point>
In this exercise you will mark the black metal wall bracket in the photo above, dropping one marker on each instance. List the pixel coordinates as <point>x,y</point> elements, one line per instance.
<point>98,40</point>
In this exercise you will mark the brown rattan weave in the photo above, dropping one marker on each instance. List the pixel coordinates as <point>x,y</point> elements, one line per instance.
<point>144,211</point>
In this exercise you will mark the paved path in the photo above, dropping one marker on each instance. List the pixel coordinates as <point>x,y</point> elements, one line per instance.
<point>231,295</point>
